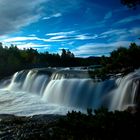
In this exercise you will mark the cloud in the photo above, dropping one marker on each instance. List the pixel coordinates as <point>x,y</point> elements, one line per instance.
<point>55,37</point>
<point>15,14</point>
<point>114,32</point>
<point>25,45</point>
<point>58,37</point>
<point>61,33</point>
<point>28,38</point>
<point>120,34</point>
<point>32,45</point>
<point>128,19</point>
<point>99,49</point>
<point>85,37</point>
<point>135,31</point>
<point>70,35</point>
<point>125,34</point>
<point>71,38</point>
<point>52,16</point>
<point>112,35</point>
<point>33,35</point>
<point>17,39</point>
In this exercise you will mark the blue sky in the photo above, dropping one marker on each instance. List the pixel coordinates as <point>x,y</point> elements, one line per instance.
<point>85,27</point>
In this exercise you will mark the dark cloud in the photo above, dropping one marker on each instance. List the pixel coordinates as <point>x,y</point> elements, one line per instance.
<point>15,14</point>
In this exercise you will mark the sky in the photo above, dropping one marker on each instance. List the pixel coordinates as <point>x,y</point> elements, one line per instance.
<point>85,27</point>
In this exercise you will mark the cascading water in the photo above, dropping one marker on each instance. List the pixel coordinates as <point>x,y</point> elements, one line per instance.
<point>126,92</point>
<point>50,91</point>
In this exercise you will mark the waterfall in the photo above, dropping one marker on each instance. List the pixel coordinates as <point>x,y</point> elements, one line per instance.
<point>82,93</point>
<point>69,88</point>
<point>126,91</point>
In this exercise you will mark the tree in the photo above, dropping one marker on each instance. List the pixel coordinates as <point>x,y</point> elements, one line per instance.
<point>1,46</point>
<point>66,54</point>
<point>131,3</point>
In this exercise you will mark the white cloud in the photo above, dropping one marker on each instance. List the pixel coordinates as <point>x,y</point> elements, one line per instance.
<point>61,33</point>
<point>135,31</point>
<point>72,35</point>
<point>57,15</point>
<point>33,35</point>
<point>111,36</point>
<point>16,39</point>
<point>57,37</point>
<point>32,45</point>
<point>70,43</point>
<point>87,37</point>
<point>31,38</point>
<point>52,16</point>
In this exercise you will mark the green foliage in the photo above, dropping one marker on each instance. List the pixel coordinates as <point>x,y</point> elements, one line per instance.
<point>123,60</point>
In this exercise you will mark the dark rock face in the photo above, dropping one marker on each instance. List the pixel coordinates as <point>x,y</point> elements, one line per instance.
<point>23,128</point>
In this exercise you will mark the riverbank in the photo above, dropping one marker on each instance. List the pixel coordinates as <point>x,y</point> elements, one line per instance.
<point>20,127</point>
<point>74,126</point>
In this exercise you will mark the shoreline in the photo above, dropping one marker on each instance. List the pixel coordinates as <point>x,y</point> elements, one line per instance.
<point>102,125</point>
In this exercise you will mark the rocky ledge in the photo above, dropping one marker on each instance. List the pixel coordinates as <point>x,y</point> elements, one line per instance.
<point>23,128</point>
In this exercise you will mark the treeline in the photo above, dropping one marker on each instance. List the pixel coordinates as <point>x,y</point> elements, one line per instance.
<point>13,59</point>
<point>123,60</point>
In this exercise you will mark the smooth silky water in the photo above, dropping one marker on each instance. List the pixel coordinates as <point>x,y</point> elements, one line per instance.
<point>57,91</point>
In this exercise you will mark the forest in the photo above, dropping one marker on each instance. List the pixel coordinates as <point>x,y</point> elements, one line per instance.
<point>121,60</point>
<point>13,59</point>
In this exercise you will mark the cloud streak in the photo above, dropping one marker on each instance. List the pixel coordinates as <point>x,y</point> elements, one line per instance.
<point>128,19</point>
<point>32,45</point>
<point>52,16</point>
<point>61,33</point>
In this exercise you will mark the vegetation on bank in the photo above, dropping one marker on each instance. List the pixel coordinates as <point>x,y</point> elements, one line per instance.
<point>103,125</point>
<point>123,60</point>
